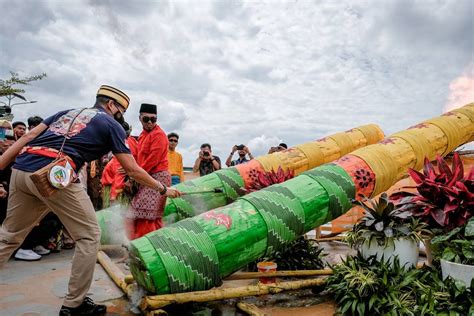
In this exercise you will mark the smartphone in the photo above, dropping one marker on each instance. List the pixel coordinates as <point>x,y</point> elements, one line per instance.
<point>2,133</point>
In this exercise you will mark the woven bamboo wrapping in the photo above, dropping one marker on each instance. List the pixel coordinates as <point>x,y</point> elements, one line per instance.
<point>390,159</point>
<point>298,159</point>
<point>198,252</point>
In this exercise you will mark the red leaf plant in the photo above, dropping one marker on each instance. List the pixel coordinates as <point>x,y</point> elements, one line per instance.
<point>265,179</point>
<point>444,197</point>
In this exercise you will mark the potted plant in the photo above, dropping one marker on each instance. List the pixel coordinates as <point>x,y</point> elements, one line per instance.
<point>444,197</point>
<point>456,252</point>
<point>387,232</point>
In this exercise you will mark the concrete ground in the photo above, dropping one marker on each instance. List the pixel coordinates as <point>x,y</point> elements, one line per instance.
<point>38,288</point>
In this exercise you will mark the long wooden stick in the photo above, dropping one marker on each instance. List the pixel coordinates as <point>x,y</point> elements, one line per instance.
<point>250,309</point>
<point>296,273</point>
<point>159,301</point>
<point>112,270</point>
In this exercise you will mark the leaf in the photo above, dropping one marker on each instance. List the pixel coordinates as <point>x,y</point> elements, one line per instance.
<point>448,254</point>
<point>469,230</point>
<point>379,226</point>
<point>388,232</point>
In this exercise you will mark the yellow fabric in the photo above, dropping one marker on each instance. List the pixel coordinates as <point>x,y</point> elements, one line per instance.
<point>420,145</point>
<point>371,132</point>
<point>467,110</point>
<point>390,159</point>
<point>312,154</point>
<point>175,164</point>
<point>115,94</point>
<point>344,143</point>
<point>450,130</point>
<point>382,164</point>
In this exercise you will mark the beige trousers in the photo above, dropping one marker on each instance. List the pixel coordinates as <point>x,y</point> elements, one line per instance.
<point>26,207</point>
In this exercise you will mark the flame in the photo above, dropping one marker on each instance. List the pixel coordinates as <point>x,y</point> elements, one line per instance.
<point>461,90</point>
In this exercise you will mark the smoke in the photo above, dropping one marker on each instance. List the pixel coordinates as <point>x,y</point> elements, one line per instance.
<point>461,90</point>
<point>136,297</point>
<point>113,230</point>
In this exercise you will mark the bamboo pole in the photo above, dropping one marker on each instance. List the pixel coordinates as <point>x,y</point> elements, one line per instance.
<point>159,301</point>
<point>114,272</point>
<point>296,273</point>
<point>129,279</point>
<point>336,238</point>
<point>250,309</point>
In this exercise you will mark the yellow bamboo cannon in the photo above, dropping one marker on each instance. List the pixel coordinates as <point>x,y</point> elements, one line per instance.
<point>159,301</point>
<point>278,274</point>
<point>250,309</point>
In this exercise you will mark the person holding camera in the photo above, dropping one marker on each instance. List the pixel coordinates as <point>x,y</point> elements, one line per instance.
<point>243,151</point>
<point>206,163</point>
<point>280,147</point>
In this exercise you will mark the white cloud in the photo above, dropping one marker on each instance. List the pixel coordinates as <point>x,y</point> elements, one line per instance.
<point>231,72</point>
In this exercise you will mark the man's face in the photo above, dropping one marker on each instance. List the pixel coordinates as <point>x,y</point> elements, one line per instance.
<point>206,152</point>
<point>173,142</point>
<point>19,130</point>
<point>242,153</point>
<point>148,121</point>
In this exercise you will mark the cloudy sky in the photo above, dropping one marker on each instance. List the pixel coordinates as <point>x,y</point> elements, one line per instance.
<point>253,72</point>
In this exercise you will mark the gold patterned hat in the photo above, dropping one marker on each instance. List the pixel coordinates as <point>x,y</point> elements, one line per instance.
<point>115,94</point>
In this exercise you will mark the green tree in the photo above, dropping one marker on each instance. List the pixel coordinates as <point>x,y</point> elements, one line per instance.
<point>13,87</point>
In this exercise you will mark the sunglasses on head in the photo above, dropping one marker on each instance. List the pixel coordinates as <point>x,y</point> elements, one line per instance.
<point>147,119</point>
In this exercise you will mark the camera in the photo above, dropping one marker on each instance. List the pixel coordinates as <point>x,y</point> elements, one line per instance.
<point>206,154</point>
<point>240,147</point>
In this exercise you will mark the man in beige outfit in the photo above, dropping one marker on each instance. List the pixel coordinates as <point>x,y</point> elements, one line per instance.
<point>90,133</point>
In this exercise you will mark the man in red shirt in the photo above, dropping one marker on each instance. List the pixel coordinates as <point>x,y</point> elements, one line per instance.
<point>146,210</point>
<point>113,176</point>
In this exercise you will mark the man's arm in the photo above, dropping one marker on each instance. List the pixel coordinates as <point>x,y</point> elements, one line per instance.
<point>197,163</point>
<point>228,162</point>
<point>10,154</point>
<point>141,176</point>
<point>216,162</point>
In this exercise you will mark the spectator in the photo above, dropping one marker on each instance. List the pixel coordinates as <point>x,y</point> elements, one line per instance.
<point>206,163</point>
<point>280,147</point>
<point>175,160</point>
<point>19,129</point>
<point>7,138</point>
<point>113,179</point>
<point>243,152</point>
<point>147,207</point>
<point>34,121</point>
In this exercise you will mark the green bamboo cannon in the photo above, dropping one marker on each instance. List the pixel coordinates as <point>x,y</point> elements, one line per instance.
<point>197,253</point>
<point>235,181</point>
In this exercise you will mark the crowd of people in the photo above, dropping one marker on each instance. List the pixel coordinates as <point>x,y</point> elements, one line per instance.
<point>109,166</point>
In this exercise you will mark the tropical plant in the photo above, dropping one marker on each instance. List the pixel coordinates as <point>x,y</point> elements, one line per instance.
<point>444,197</point>
<point>371,287</point>
<point>265,179</point>
<point>301,254</point>
<point>457,245</point>
<point>384,223</point>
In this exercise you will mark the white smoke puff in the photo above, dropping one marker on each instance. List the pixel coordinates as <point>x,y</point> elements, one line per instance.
<point>461,90</point>
<point>114,230</point>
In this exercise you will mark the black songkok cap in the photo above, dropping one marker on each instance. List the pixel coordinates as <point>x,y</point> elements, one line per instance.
<point>148,108</point>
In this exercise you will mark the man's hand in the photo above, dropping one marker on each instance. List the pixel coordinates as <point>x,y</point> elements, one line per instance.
<point>3,192</point>
<point>234,149</point>
<point>5,144</point>
<point>173,193</point>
